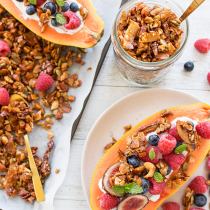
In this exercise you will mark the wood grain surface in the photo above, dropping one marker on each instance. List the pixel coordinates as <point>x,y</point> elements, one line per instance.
<point>110,87</point>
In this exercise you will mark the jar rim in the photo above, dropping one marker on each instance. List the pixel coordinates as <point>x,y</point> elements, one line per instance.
<point>134,62</point>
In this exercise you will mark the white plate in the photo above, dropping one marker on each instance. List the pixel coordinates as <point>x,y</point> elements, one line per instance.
<point>129,110</point>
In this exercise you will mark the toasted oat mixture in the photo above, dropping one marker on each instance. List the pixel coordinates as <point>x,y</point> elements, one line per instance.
<point>30,55</point>
<point>149,35</point>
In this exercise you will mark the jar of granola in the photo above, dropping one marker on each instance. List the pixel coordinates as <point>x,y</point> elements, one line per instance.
<point>159,39</point>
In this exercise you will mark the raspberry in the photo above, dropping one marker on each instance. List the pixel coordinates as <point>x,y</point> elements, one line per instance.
<point>174,160</point>
<point>156,187</point>
<point>72,19</point>
<point>202,45</point>
<point>108,201</point>
<point>44,82</point>
<point>173,132</point>
<point>40,2</point>
<point>147,159</point>
<point>197,209</point>
<point>208,77</point>
<point>4,49</point>
<point>166,144</point>
<point>203,129</point>
<point>171,206</point>
<point>198,184</point>
<point>208,163</point>
<point>4,97</point>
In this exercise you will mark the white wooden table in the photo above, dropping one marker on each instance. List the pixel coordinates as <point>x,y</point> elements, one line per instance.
<point>110,87</point>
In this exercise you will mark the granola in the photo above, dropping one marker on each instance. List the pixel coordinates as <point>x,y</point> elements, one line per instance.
<point>30,56</point>
<point>149,34</point>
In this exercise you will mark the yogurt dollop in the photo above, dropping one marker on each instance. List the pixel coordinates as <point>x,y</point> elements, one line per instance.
<point>60,29</point>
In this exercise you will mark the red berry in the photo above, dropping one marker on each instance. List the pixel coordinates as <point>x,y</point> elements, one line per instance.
<point>208,163</point>
<point>197,209</point>
<point>202,45</point>
<point>4,97</point>
<point>174,160</point>
<point>40,2</point>
<point>198,184</point>
<point>156,187</point>
<point>171,206</point>
<point>166,144</point>
<point>44,82</point>
<point>4,49</point>
<point>203,129</point>
<point>208,77</point>
<point>108,201</point>
<point>147,158</point>
<point>72,19</point>
<point>173,132</point>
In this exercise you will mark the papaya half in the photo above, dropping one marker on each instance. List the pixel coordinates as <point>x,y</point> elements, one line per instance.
<point>198,112</point>
<point>87,37</point>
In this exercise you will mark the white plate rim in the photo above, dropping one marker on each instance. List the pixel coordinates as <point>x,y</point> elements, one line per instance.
<point>104,113</point>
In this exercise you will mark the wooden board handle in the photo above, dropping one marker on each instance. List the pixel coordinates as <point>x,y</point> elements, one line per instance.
<point>195,4</point>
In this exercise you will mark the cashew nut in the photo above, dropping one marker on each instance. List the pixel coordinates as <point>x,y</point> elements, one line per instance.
<point>151,168</point>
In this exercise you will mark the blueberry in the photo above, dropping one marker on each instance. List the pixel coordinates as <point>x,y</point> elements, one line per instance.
<point>192,124</point>
<point>51,6</point>
<point>153,140</point>
<point>65,7</point>
<point>133,160</point>
<point>157,170</point>
<point>54,22</point>
<point>145,185</point>
<point>209,176</point>
<point>74,7</point>
<point>189,66</point>
<point>20,0</point>
<point>168,171</point>
<point>177,144</point>
<point>31,9</point>
<point>200,200</point>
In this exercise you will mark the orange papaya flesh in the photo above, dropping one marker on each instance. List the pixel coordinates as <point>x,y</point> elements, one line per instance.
<point>198,112</point>
<point>87,37</point>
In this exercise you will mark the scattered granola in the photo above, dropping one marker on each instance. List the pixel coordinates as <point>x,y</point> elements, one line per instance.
<point>149,35</point>
<point>57,171</point>
<point>188,199</point>
<point>109,145</point>
<point>127,128</point>
<point>30,56</point>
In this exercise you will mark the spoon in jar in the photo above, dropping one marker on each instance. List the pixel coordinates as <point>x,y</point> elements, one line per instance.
<point>195,4</point>
<point>35,175</point>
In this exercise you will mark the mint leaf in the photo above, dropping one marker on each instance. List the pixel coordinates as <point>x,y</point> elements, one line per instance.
<point>180,149</point>
<point>152,154</point>
<point>60,3</point>
<point>33,1</point>
<point>132,188</point>
<point>158,177</point>
<point>61,19</point>
<point>119,189</point>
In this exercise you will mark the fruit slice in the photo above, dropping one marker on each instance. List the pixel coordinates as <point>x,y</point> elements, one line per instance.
<point>108,174</point>
<point>198,112</point>
<point>87,37</point>
<point>133,202</point>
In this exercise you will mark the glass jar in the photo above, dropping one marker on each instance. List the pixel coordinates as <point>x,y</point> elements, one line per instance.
<point>146,73</point>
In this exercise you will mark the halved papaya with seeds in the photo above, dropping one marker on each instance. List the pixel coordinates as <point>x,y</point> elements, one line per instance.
<point>87,37</point>
<point>198,112</point>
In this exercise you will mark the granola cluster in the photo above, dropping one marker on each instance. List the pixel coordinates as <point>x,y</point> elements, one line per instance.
<point>149,35</point>
<point>30,56</point>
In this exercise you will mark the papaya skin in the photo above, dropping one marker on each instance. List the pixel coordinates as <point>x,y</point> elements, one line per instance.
<point>87,37</point>
<point>198,111</point>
